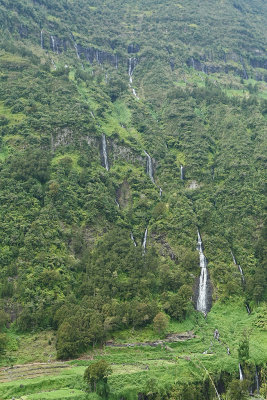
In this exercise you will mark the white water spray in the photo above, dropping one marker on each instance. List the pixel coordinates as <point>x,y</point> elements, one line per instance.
<point>77,51</point>
<point>133,239</point>
<point>149,167</point>
<point>182,172</point>
<point>239,267</point>
<point>104,149</point>
<point>241,377</point>
<point>202,303</point>
<point>144,241</point>
<point>42,39</point>
<point>131,65</point>
<point>257,381</point>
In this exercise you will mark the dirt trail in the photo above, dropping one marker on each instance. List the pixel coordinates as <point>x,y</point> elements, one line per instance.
<point>172,338</point>
<point>32,370</point>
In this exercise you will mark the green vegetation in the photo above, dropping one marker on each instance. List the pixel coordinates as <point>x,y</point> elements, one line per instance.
<point>74,273</point>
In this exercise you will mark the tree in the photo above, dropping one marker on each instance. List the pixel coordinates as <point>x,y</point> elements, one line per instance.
<point>236,391</point>
<point>70,339</point>
<point>3,343</point>
<point>161,322</point>
<point>96,376</point>
<point>243,349</point>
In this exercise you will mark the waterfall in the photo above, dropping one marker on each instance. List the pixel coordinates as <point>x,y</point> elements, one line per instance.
<point>241,273</point>
<point>182,172</point>
<point>104,150</point>
<point>42,39</point>
<point>239,267</point>
<point>193,62</point>
<point>77,51</point>
<point>203,280</point>
<point>133,239</point>
<point>130,69</point>
<point>149,167</point>
<point>117,203</point>
<point>241,377</point>
<point>53,42</point>
<point>134,93</point>
<point>160,192</point>
<point>234,260</point>
<point>144,241</point>
<point>131,65</point>
<point>257,380</point>
<point>248,309</point>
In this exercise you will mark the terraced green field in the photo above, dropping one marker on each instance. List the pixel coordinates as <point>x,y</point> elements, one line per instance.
<point>135,367</point>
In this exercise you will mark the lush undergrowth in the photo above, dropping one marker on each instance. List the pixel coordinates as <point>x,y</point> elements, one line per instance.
<point>135,368</point>
<point>124,130</point>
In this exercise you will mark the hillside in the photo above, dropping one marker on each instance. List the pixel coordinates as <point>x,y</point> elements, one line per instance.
<point>132,153</point>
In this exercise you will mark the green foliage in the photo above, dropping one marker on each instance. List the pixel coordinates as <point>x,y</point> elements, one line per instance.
<point>66,255</point>
<point>236,391</point>
<point>243,349</point>
<point>96,376</point>
<point>161,322</point>
<point>3,344</point>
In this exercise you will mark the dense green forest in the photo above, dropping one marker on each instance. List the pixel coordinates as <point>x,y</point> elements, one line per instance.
<point>127,127</point>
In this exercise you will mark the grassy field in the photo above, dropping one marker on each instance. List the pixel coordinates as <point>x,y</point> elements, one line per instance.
<point>133,367</point>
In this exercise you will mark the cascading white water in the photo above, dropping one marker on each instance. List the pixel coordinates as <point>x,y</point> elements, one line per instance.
<point>53,43</point>
<point>130,69</point>
<point>117,203</point>
<point>42,39</point>
<point>257,381</point>
<point>134,93</point>
<point>133,239</point>
<point>202,304</point>
<point>241,377</point>
<point>239,267</point>
<point>160,192</point>
<point>131,65</point>
<point>248,309</point>
<point>77,51</point>
<point>104,150</point>
<point>145,240</point>
<point>149,167</point>
<point>182,172</point>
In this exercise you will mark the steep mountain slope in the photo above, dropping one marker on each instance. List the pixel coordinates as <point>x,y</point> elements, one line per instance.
<point>126,129</point>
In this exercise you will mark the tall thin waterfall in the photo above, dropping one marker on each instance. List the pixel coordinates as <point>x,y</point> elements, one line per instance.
<point>145,240</point>
<point>182,172</point>
<point>134,93</point>
<point>77,51</point>
<point>248,309</point>
<point>202,303</point>
<point>133,239</point>
<point>130,70</point>
<point>239,267</point>
<point>149,167</point>
<point>160,192</point>
<point>117,203</point>
<point>104,150</point>
<point>131,65</point>
<point>53,43</point>
<point>241,377</point>
<point>42,39</point>
<point>257,380</point>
